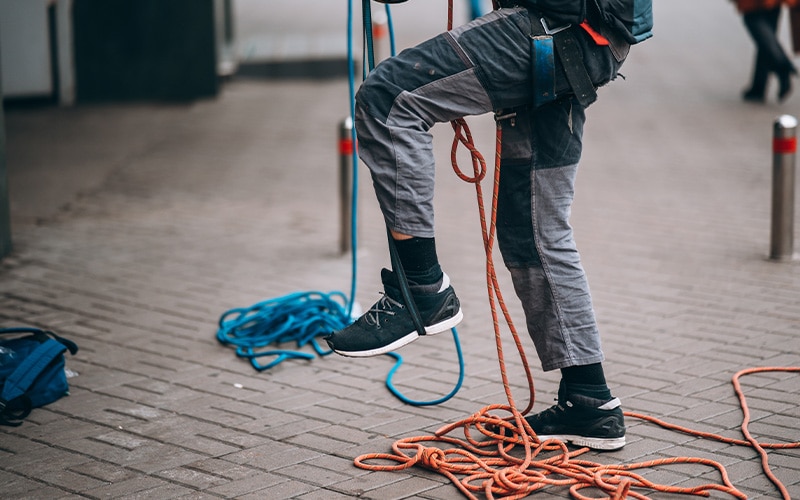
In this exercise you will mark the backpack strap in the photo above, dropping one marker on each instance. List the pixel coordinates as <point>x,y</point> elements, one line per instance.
<point>14,415</point>
<point>72,346</point>
<point>571,57</point>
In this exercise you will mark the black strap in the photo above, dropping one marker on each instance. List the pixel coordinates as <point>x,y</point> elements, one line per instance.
<point>572,61</point>
<point>12,413</point>
<point>397,267</point>
<point>41,334</point>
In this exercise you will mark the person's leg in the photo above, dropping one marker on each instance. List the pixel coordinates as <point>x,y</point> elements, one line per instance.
<point>785,69</point>
<point>770,56</point>
<point>755,24</point>
<point>540,157</point>
<point>758,86</point>
<point>535,237</point>
<point>474,69</point>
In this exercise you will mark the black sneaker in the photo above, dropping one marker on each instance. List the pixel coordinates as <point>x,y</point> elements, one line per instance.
<point>388,325</point>
<point>582,421</point>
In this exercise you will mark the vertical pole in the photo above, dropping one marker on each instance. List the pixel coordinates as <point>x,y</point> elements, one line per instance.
<point>345,184</point>
<point>5,210</point>
<point>784,149</point>
<point>65,53</point>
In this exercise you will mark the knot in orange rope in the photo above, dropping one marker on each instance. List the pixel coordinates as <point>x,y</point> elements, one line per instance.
<point>511,479</point>
<point>432,458</point>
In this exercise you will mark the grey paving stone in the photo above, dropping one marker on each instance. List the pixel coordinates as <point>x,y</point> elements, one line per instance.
<point>194,479</point>
<point>256,482</point>
<point>403,489</point>
<point>272,456</point>
<point>128,487</point>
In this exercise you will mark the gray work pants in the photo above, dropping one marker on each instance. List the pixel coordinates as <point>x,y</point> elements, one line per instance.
<point>481,67</point>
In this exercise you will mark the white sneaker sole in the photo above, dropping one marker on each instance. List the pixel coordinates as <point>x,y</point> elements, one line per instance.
<point>411,337</point>
<point>604,444</point>
<point>445,325</point>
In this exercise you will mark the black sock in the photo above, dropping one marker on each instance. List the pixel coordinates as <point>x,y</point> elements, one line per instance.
<point>587,380</point>
<point>586,374</point>
<point>419,260</point>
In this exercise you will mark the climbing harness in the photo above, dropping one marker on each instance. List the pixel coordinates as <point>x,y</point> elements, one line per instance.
<point>500,456</point>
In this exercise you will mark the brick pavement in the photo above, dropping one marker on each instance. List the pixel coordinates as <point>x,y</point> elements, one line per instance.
<point>137,225</point>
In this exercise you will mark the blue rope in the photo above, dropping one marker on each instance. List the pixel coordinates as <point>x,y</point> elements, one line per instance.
<point>303,317</point>
<point>399,395</point>
<point>369,48</point>
<point>392,48</point>
<point>299,317</point>
<point>353,161</point>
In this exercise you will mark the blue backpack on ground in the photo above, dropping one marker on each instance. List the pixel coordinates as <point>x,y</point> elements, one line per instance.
<point>32,372</point>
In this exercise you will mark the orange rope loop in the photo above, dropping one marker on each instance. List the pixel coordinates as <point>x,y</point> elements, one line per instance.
<point>463,136</point>
<point>516,463</point>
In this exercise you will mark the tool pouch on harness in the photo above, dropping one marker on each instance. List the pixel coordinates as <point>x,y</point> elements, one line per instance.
<point>569,43</point>
<point>546,42</point>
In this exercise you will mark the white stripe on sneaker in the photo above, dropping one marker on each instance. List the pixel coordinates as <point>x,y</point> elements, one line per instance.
<point>614,403</point>
<point>445,283</point>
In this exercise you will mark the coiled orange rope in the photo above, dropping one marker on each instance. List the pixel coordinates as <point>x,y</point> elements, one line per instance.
<point>516,463</point>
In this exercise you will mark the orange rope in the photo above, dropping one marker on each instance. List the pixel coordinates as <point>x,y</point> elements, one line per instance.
<point>516,463</point>
<point>749,439</point>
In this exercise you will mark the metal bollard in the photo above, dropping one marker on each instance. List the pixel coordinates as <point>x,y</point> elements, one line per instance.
<point>380,35</point>
<point>345,184</point>
<point>784,149</point>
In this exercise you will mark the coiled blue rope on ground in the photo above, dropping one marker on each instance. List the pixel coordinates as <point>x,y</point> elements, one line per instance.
<point>299,317</point>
